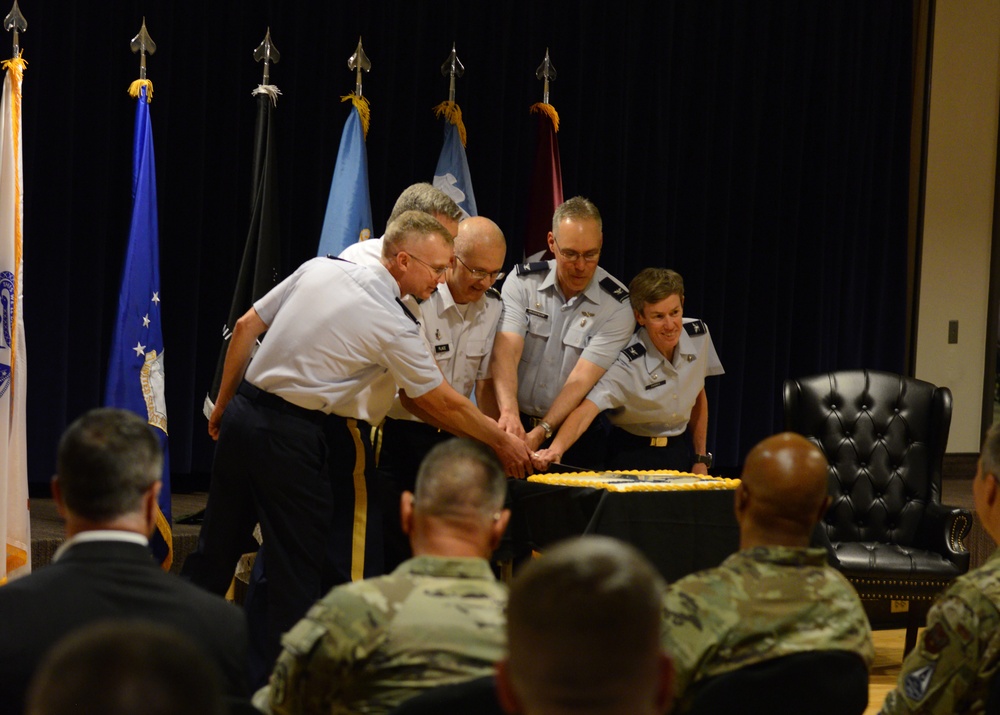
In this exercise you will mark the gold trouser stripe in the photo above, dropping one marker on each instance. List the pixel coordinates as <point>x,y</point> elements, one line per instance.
<point>163,527</point>
<point>360,505</point>
<point>377,441</point>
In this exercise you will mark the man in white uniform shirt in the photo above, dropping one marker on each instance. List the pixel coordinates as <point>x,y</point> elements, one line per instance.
<point>459,322</point>
<point>297,428</point>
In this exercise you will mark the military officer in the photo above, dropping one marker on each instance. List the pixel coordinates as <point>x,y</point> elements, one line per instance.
<point>459,322</point>
<point>437,619</point>
<point>956,659</point>
<point>721,619</point>
<point>655,393</point>
<point>297,428</point>
<point>565,321</point>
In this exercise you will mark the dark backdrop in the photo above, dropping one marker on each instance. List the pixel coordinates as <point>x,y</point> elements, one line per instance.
<point>759,148</point>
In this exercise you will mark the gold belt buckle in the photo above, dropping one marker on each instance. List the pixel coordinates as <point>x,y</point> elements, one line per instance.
<point>658,441</point>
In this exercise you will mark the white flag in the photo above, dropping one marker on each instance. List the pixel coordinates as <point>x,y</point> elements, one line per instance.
<point>15,524</point>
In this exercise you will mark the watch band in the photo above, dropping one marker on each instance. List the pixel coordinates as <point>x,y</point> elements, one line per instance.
<point>547,427</point>
<point>705,459</point>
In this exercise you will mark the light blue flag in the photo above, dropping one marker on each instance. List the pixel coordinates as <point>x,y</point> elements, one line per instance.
<point>135,370</point>
<point>452,174</point>
<point>349,209</point>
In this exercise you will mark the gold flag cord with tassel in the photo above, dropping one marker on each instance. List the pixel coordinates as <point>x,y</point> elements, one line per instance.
<point>453,114</point>
<point>364,111</point>
<point>549,110</point>
<point>135,89</point>
<point>17,64</point>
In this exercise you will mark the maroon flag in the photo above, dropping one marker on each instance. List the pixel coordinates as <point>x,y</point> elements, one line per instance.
<point>545,191</point>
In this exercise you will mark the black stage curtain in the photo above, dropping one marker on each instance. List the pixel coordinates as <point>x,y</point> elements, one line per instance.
<point>759,148</point>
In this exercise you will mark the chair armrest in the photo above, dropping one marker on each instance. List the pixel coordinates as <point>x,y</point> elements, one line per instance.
<point>821,539</point>
<point>943,530</point>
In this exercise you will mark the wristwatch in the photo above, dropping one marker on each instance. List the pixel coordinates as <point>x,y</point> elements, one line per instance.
<point>547,427</point>
<point>705,459</point>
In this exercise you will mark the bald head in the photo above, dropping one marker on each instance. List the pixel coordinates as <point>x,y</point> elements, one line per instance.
<point>480,250</point>
<point>783,493</point>
<point>582,625</point>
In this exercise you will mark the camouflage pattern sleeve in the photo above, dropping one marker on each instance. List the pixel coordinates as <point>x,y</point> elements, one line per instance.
<point>324,652</point>
<point>949,670</point>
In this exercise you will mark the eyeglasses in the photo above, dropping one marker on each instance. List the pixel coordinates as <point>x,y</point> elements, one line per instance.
<point>574,256</point>
<point>436,270</point>
<point>479,273</point>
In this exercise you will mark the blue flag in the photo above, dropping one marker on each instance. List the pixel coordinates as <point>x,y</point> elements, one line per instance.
<point>349,209</point>
<point>135,370</point>
<point>452,173</point>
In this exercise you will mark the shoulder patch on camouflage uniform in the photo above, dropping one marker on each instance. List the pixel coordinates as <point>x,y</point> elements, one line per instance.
<point>634,351</point>
<point>616,289</point>
<point>523,269</point>
<point>916,683</point>
<point>695,327</point>
<point>493,293</point>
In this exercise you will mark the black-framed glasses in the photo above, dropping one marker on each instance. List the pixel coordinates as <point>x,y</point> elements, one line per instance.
<point>436,270</point>
<point>479,273</point>
<point>574,256</point>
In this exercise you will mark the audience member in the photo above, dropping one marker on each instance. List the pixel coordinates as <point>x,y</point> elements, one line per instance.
<point>774,597</point>
<point>437,619</point>
<point>582,626</point>
<point>958,654</point>
<point>126,668</point>
<point>106,485</point>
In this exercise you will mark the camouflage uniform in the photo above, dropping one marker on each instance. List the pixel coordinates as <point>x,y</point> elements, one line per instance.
<point>369,645</point>
<point>950,669</point>
<point>760,603</point>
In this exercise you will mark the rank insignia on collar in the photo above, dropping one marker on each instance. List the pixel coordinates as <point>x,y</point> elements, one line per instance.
<point>634,351</point>
<point>695,327</point>
<point>616,289</point>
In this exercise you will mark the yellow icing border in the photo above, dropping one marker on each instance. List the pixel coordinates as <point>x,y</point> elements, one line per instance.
<point>593,480</point>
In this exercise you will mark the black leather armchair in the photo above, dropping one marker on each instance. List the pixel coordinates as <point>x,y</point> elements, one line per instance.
<point>884,436</point>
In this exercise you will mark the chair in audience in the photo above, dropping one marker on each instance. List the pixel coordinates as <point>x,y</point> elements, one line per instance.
<point>473,697</point>
<point>819,683</point>
<point>884,436</point>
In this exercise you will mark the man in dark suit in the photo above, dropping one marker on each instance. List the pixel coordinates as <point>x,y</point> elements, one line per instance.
<point>106,486</point>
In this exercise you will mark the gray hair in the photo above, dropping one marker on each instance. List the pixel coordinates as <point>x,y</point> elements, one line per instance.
<point>426,198</point>
<point>408,224</point>
<point>576,209</point>
<point>106,461</point>
<point>460,478</point>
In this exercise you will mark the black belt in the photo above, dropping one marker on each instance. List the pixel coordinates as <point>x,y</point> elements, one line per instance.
<point>633,441</point>
<point>279,404</point>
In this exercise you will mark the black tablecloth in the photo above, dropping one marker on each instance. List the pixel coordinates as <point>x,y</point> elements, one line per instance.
<point>679,531</point>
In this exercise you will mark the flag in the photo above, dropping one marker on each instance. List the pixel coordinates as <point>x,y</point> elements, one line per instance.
<point>545,190</point>
<point>452,173</point>
<point>260,269</point>
<point>136,367</point>
<point>349,208</point>
<point>14,521</point>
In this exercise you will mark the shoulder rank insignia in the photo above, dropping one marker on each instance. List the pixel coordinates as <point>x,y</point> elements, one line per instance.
<point>493,293</point>
<point>634,351</point>
<point>337,258</point>
<point>695,327</point>
<point>524,269</point>
<point>406,310</point>
<point>616,289</point>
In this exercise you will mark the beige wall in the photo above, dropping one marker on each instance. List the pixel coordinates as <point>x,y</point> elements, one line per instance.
<point>958,216</point>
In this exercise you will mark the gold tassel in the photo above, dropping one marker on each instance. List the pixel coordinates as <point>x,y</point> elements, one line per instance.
<point>453,114</point>
<point>17,64</point>
<point>364,111</point>
<point>549,110</point>
<point>135,89</point>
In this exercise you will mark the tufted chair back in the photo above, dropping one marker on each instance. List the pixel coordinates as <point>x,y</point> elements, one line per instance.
<point>884,436</point>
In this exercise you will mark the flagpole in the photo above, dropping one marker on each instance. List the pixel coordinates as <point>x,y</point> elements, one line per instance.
<point>348,217</point>
<point>545,190</point>
<point>15,520</point>
<point>452,174</point>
